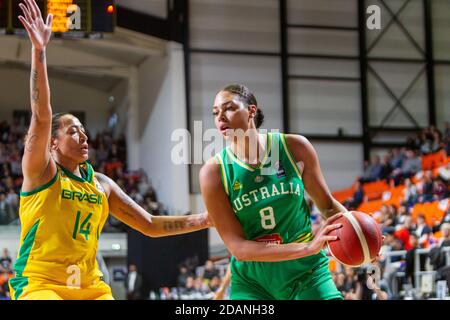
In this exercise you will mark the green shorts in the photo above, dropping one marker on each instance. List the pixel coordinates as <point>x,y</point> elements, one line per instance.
<point>286,280</point>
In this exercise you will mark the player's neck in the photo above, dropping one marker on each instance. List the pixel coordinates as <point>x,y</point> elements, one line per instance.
<point>250,147</point>
<point>68,164</point>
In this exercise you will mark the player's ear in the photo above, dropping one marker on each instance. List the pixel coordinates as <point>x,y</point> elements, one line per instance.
<point>252,109</point>
<point>53,144</point>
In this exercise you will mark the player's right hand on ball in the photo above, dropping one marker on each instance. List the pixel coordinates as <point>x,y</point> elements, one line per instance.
<point>38,31</point>
<point>322,236</point>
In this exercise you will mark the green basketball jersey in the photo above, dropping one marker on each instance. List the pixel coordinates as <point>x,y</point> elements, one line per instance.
<point>268,200</point>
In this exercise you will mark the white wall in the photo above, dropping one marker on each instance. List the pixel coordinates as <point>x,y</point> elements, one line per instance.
<point>339,174</point>
<point>162,109</point>
<point>398,77</point>
<point>316,107</point>
<point>441,29</point>
<point>322,12</point>
<point>251,25</point>
<point>313,112</point>
<point>120,105</point>
<point>153,7</point>
<point>235,25</point>
<point>65,96</point>
<point>442,75</point>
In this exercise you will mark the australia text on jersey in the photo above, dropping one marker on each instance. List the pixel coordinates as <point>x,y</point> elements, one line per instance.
<point>265,192</point>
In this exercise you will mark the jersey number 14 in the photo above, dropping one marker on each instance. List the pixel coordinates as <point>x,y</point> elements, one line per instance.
<point>84,227</point>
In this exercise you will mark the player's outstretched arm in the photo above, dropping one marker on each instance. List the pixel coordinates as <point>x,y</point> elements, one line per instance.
<point>312,176</point>
<point>129,212</point>
<point>36,162</point>
<point>223,218</point>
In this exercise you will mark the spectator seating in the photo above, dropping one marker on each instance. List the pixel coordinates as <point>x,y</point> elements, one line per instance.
<point>433,211</point>
<point>380,193</point>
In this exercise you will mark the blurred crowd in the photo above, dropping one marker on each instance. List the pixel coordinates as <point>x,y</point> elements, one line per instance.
<point>6,272</point>
<point>194,282</point>
<point>396,279</point>
<point>11,148</point>
<point>404,226</point>
<point>402,163</point>
<point>106,154</point>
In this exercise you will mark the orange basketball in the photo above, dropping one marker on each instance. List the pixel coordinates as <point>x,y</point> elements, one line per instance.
<point>359,239</point>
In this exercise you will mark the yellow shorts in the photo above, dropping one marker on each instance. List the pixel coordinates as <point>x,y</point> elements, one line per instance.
<point>40,290</point>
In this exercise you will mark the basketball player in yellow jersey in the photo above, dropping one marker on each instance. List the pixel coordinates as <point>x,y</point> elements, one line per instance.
<point>64,204</point>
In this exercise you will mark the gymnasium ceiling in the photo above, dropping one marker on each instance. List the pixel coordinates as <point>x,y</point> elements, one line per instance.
<point>98,63</point>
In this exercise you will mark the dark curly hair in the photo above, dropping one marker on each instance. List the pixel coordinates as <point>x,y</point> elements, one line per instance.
<point>56,123</point>
<point>247,97</point>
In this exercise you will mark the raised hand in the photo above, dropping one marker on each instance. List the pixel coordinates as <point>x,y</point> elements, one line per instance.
<point>38,31</point>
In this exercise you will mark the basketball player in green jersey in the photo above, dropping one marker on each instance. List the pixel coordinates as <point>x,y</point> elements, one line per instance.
<point>259,209</point>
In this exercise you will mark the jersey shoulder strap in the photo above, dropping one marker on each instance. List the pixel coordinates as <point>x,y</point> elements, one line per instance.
<point>220,159</point>
<point>288,155</point>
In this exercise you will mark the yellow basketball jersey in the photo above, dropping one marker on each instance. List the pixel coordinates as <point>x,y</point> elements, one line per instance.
<point>60,226</point>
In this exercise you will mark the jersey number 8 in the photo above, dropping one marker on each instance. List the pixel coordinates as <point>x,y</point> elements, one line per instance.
<point>267,218</point>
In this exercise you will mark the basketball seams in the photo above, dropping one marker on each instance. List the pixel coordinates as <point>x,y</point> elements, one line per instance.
<point>376,234</point>
<point>344,249</point>
<point>362,239</point>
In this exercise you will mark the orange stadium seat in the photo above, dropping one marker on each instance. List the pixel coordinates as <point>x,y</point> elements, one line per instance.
<point>414,180</point>
<point>374,190</point>
<point>396,196</point>
<point>434,160</point>
<point>437,234</point>
<point>436,172</point>
<point>332,265</point>
<point>342,195</point>
<point>433,211</point>
<point>371,207</point>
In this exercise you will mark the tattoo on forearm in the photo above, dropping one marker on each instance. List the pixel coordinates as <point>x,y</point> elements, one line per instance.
<point>29,145</point>
<point>35,95</point>
<point>34,88</point>
<point>127,206</point>
<point>128,201</point>
<point>203,223</point>
<point>125,211</point>
<point>42,57</point>
<point>174,225</point>
<point>102,178</point>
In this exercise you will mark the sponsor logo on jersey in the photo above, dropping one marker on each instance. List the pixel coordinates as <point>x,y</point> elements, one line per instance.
<point>75,195</point>
<point>281,173</point>
<point>270,238</point>
<point>237,185</point>
<point>99,186</point>
<point>259,179</point>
